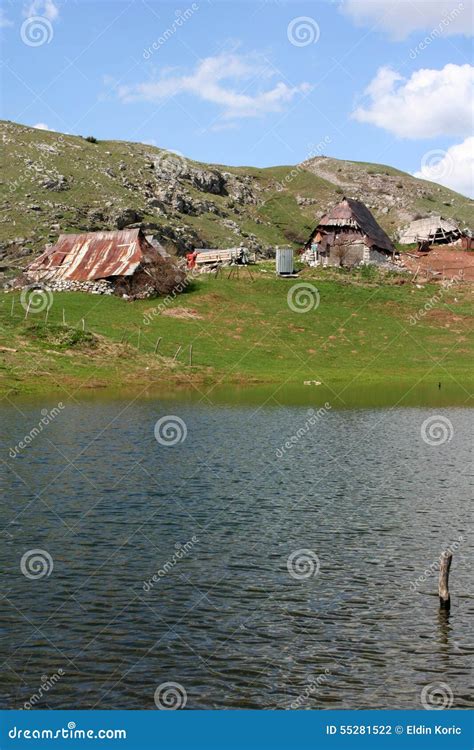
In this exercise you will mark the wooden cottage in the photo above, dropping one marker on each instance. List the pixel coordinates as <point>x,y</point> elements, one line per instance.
<point>348,235</point>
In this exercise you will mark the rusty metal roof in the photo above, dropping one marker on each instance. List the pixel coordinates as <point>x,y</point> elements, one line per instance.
<point>93,255</point>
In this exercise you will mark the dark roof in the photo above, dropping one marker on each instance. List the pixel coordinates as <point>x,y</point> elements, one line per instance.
<point>351,210</point>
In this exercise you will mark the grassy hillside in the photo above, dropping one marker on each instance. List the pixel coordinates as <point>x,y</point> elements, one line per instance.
<point>53,183</point>
<point>242,331</point>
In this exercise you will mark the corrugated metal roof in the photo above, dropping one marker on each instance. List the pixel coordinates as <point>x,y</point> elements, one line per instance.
<point>93,255</point>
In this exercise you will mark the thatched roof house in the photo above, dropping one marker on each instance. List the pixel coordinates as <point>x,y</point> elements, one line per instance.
<point>125,258</point>
<point>349,235</point>
<point>434,230</point>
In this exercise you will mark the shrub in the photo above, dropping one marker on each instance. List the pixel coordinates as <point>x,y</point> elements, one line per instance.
<point>368,272</point>
<point>61,336</point>
<point>91,139</point>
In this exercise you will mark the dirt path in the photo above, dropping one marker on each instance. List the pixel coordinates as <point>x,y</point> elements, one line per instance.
<point>448,262</point>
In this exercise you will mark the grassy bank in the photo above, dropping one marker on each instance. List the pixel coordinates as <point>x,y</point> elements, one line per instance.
<point>242,331</point>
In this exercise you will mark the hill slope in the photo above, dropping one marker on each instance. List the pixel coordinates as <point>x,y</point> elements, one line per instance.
<point>53,183</point>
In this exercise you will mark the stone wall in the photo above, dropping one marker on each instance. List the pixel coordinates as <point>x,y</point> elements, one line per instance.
<point>101,286</point>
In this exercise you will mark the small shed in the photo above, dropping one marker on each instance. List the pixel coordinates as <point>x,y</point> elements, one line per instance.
<point>433,230</point>
<point>126,259</point>
<point>284,261</point>
<point>349,235</point>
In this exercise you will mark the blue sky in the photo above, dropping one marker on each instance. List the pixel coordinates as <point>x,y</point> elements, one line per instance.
<point>258,83</point>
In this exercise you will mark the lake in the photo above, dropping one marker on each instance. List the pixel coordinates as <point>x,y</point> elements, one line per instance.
<point>276,557</point>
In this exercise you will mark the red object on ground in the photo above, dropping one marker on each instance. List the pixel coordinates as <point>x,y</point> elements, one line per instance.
<point>191,259</point>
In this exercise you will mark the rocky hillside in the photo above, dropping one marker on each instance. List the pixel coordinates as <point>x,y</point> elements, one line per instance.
<point>53,183</point>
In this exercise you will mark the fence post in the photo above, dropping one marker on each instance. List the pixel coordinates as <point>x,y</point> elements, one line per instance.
<point>443,583</point>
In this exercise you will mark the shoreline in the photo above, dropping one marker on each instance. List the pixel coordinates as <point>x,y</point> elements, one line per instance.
<point>340,394</point>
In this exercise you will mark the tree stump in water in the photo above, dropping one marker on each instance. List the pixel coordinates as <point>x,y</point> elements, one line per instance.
<point>443,584</point>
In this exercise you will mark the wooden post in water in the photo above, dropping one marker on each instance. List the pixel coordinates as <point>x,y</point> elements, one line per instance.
<point>13,305</point>
<point>64,317</point>
<point>139,336</point>
<point>443,584</point>
<point>190,355</point>
<point>83,324</point>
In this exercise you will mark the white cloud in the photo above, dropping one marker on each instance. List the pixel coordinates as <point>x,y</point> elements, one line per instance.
<point>402,17</point>
<point>222,80</point>
<point>4,20</point>
<point>428,104</point>
<point>45,8</point>
<point>41,126</point>
<point>453,168</point>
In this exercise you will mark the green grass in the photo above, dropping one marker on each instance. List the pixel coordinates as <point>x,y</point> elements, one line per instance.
<point>244,331</point>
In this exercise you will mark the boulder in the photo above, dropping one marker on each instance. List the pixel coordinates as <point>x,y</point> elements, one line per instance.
<point>209,181</point>
<point>56,183</point>
<point>127,216</point>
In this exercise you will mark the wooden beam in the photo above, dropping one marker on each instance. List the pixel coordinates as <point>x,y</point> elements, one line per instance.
<point>443,583</point>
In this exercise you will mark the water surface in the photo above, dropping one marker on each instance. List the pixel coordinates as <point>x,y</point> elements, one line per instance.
<point>358,492</point>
